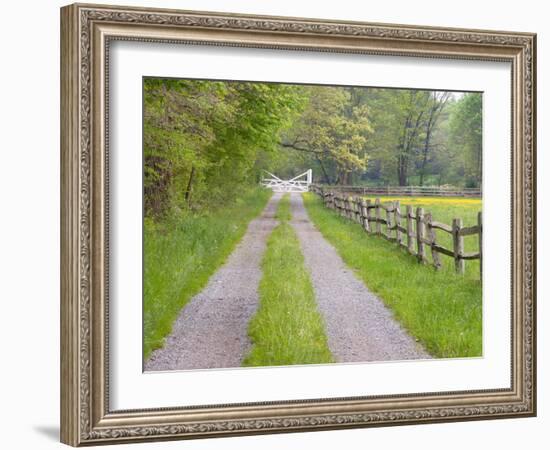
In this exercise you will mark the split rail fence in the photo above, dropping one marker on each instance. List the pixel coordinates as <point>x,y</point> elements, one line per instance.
<point>412,229</point>
<point>412,191</point>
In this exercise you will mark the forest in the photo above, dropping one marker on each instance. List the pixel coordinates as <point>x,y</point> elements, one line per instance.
<point>207,142</point>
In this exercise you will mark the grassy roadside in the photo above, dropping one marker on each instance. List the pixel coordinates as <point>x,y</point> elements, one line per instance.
<point>180,256</point>
<point>287,329</point>
<point>441,309</point>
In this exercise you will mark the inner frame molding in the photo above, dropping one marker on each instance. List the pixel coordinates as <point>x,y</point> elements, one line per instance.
<point>86,32</point>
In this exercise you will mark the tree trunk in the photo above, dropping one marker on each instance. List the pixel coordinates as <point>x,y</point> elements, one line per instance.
<point>402,162</point>
<point>346,177</point>
<point>325,174</point>
<point>438,104</point>
<point>425,154</point>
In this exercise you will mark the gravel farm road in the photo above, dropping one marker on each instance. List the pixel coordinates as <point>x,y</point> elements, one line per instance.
<point>211,331</point>
<point>359,327</point>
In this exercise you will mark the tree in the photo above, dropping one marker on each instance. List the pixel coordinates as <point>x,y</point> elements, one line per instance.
<point>177,117</point>
<point>205,141</point>
<point>332,132</point>
<point>201,138</point>
<point>398,117</point>
<point>436,105</point>
<point>466,136</point>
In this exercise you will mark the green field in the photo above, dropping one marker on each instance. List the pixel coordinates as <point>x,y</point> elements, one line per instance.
<point>287,329</point>
<point>182,253</point>
<point>441,309</point>
<point>445,209</point>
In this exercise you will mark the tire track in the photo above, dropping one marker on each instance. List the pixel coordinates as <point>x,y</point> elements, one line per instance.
<point>360,328</point>
<point>211,331</point>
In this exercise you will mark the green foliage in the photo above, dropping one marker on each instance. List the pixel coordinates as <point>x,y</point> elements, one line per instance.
<point>381,136</point>
<point>287,329</point>
<point>441,309</point>
<point>205,140</point>
<point>202,138</point>
<point>466,135</point>
<point>182,253</point>
<point>333,131</point>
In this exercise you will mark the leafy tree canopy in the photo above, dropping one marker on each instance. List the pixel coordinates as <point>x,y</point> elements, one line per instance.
<point>204,141</point>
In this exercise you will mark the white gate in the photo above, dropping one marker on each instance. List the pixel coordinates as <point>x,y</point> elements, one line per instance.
<point>299,183</point>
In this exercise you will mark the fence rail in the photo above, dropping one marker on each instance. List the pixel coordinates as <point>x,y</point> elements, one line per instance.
<point>412,191</point>
<point>417,234</point>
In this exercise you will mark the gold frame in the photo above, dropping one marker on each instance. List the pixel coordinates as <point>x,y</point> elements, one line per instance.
<point>86,31</point>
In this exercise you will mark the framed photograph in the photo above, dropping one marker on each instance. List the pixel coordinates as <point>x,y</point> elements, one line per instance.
<point>276,224</point>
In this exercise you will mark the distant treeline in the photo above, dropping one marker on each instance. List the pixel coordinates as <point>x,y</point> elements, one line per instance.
<point>206,141</point>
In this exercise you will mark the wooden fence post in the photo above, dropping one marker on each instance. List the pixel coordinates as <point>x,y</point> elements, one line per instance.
<point>345,210</point>
<point>397,221</point>
<point>388,221</point>
<point>357,217</point>
<point>343,202</point>
<point>480,243</point>
<point>410,229</point>
<point>458,246</point>
<point>421,253</point>
<point>357,209</point>
<point>432,238</point>
<point>377,214</point>
<point>368,225</point>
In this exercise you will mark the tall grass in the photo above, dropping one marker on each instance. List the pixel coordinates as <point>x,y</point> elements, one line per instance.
<point>181,254</point>
<point>443,310</point>
<point>287,329</point>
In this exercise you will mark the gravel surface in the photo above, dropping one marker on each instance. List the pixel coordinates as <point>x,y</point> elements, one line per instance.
<point>212,330</point>
<point>359,327</point>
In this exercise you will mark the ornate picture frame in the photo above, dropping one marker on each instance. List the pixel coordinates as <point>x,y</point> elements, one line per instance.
<point>87,32</point>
